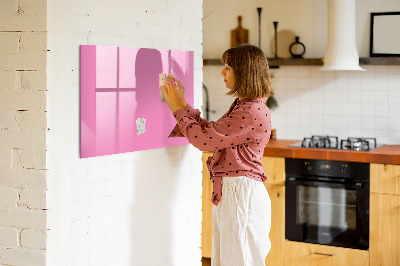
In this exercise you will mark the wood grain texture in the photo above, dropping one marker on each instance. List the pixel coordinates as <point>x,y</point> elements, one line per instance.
<point>206,225</point>
<point>274,168</point>
<point>385,178</point>
<point>384,230</point>
<point>277,233</point>
<point>305,254</point>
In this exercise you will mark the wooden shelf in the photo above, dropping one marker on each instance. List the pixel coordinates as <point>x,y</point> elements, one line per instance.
<point>273,63</point>
<point>380,61</point>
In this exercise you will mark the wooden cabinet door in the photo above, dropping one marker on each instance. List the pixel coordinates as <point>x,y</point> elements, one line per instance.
<point>304,254</point>
<point>277,233</point>
<point>206,225</point>
<point>384,237</point>
<point>385,178</point>
<point>274,168</point>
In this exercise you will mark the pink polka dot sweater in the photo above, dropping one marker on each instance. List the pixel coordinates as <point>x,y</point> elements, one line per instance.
<point>238,139</point>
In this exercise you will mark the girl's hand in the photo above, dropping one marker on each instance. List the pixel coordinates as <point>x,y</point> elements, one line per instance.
<point>170,90</point>
<point>181,90</point>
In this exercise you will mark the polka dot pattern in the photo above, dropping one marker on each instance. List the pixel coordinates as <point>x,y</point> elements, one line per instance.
<point>238,139</point>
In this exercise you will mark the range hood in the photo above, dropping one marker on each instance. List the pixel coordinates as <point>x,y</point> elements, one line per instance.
<point>341,51</point>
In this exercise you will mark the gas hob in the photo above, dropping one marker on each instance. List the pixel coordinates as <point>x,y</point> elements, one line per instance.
<point>332,142</point>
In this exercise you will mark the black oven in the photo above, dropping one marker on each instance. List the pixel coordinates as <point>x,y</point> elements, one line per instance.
<point>327,202</point>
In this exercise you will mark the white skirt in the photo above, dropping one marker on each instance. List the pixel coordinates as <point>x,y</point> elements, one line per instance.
<point>241,223</point>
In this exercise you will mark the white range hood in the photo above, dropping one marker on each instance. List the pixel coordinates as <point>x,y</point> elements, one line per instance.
<point>341,51</point>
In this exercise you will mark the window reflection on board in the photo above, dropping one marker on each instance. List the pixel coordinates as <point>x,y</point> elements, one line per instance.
<point>121,110</point>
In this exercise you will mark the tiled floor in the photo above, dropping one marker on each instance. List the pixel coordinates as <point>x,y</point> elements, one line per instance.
<point>206,261</point>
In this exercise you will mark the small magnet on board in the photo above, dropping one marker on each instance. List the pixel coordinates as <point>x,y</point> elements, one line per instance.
<point>141,126</point>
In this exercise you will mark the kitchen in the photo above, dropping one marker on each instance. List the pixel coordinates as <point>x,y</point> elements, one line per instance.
<point>315,103</point>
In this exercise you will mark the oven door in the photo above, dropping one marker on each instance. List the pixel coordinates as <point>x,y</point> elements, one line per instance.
<point>327,213</point>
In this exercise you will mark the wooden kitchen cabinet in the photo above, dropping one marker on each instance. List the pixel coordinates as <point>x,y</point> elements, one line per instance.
<point>206,225</point>
<point>274,168</point>
<point>385,178</point>
<point>385,215</point>
<point>277,233</point>
<point>305,254</point>
<point>384,236</point>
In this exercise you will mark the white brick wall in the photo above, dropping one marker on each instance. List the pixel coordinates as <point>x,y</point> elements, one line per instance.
<point>139,208</point>
<point>23,132</point>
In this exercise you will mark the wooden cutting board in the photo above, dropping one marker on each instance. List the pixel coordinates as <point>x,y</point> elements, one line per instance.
<point>239,35</point>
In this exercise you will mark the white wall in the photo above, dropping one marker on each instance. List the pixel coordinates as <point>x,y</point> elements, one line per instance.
<point>311,102</point>
<point>139,208</point>
<point>23,133</point>
<point>306,19</point>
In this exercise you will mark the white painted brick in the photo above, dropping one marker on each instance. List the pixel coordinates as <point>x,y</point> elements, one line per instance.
<point>30,7</point>
<point>17,256</point>
<point>9,42</point>
<point>80,227</point>
<point>176,7</point>
<point>196,10</point>
<point>35,120</point>
<point>23,100</point>
<point>24,139</point>
<point>5,158</point>
<point>8,237</point>
<point>33,199</point>
<point>33,239</point>
<point>31,80</point>
<point>8,197</point>
<point>31,159</point>
<point>155,32</point>
<point>22,218</point>
<point>114,186</point>
<point>23,178</point>
<point>190,22</point>
<point>98,222</point>
<point>167,19</point>
<point>8,6</point>
<point>79,176</point>
<point>31,55</point>
<point>23,15</point>
<point>8,80</point>
<point>149,6</point>
<point>127,169</point>
<point>97,173</point>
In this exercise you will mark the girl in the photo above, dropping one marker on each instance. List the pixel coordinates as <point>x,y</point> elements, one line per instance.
<point>242,208</point>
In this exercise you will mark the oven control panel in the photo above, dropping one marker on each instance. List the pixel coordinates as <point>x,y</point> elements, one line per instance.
<point>337,169</point>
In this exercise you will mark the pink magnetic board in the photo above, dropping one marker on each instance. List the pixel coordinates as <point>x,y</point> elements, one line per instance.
<point>120,106</point>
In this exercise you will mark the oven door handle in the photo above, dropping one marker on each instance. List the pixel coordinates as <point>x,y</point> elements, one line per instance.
<point>352,185</point>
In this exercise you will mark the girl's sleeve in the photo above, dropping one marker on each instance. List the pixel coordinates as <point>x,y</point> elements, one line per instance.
<point>193,113</point>
<point>235,129</point>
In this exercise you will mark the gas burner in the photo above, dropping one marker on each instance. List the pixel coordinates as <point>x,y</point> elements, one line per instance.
<point>358,144</point>
<point>332,142</point>
<point>327,142</point>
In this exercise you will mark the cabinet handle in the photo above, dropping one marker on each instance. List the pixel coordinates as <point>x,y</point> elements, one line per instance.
<point>324,254</point>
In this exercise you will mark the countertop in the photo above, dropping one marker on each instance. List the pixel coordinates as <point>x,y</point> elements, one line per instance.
<point>389,154</point>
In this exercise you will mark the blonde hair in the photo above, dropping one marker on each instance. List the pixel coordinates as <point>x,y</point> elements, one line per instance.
<point>250,66</point>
